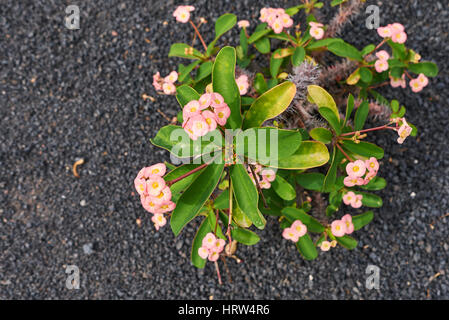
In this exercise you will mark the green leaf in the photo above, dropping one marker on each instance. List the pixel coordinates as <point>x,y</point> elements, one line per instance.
<point>284,189</point>
<point>176,140</point>
<point>263,45</point>
<point>212,223</point>
<point>321,134</point>
<point>181,49</point>
<point>399,51</point>
<point>360,115</point>
<point>311,223</point>
<point>310,154</point>
<point>185,94</point>
<point>181,185</point>
<point>427,68</point>
<point>244,236</point>
<point>260,84</point>
<point>244,42</point>
<point>322,98</point>
<point>329,115</point>
<point>185,71</point>
<point>256,143</point>
<point>369,48</point>
<point>343,49</point>
<point>331,175</point>
<point>362,220</point>
<point>240,217</point>
<point>257,35</point>
<point>298,56</point>
<point>322,43</point>
<point>224,23</point>
<point>247,101</point>
<point>204,229</point>
<point>337,2</point>
<point>294,10</point>
<point>377,183</point>
<point>223,82</point>
<point>306,247</point>
<point>365,149</point>
<point>370,200</point>
<point>349,108</point>
<point>275,64</point>
<point>311,180</point>
<point>204,71</point>
<point>193,199</point>
<point>222,201</point>
<point>347,242</point>
<point>366,75</point>
<point>246,195</point>
<point>270,104</point>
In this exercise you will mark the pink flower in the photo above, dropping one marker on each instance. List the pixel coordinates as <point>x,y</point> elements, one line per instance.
<point>223,114</point>
<point>264,184</point>
<point>398,82</point>
<point>397,28</point>
<point>217,100</point>
<point>423,80</point>
<point>209,241</point>
<point>415,85</point>
<point>381,65</point>
<point>404,131</point>
<point>140,185</point>
<point>158,220</point>
<point>263,14</point>
<point>163,197</point>
<point>316,33</point>
<point>157,81</point>
<point>199,125</point>
<point>290,234</point>
<point>213,256</point>
<point>191,109</point>
<point>338,228</point>
<point>315,24</point>
<point>242,83</point>
<point>399,37</point>
<point>353,181</point>
<point>325,245</point>
<point>166,207</point>
<point>188,125</point>
<point>155,185</point>
<point>157,169</point>
<point>218,245</point>
<point>299,228</point>
<point>210,118</point>
<point>383,55</point>
<point>369,176</point>
<point>268,174</point>
<point>356,168</point>
<point>347,219</point>
<point>277,25</point>
<point>169,88</point>
<point>203,252</point>
<point>286,21</point>
<point>384,32</point>
<point>349,197</point>
<point>357,202</point>
<point>372,164</point>
<point>148,204</point>
<point>205,101</point>
<point>182,13</point>
<point>333,243</point>
<point>243,24</point>
<point>172,77</point>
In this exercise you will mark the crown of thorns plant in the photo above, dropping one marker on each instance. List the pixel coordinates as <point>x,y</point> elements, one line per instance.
<point>274,141</point>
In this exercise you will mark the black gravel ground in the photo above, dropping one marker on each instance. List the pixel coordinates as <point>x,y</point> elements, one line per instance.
<point>69,94</point>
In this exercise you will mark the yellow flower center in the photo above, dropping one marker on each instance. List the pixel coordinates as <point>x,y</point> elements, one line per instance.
<point>193,109</point>
<point>337,228</point>
<point>160,195</point>
<point>209,121</point>
<point>217,101</point>
<point>298,228</point>
<point>220,115</point>
<point>155,185</point>
<point>154,171</point>
<point>355,169</point>
<point>199,125</point>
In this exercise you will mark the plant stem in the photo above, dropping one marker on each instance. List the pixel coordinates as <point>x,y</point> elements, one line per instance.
<point>218,273</point>
<point>228,231</point>
<point>216,222</point>
<point>185,175</point>
<point>198,34</point>
<point>344,153</point>
<point>258,186</point>
<point>378,46</point>
<point>367,130</point>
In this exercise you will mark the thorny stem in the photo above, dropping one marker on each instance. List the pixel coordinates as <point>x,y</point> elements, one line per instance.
<point>379,85</point>
<point>367,130</point>
<point>258,186</point>
<point>408,75</point>
<point>344,153</point>
<point>218,273</point>
<point>185,175</point>
<point>199,35</point>
<point>378,46</point>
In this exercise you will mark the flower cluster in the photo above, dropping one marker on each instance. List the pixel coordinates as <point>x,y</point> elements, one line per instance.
<point>202,116</point>
<point>341,227</point>
<point>296,231</point>
<point>166,84</point>
<point>419,83</point>
<point>182,13</point>
<point>211,247</point>
<point>393,31</point>
<point>316,30</point>
<point>155,195</point>
<point>264,176</point>
<point>352,199</point>
<point>326,245</point>
<point>243,84</point>
<point>404,130</point>
<point>381,64</point>
<point>357,169</point>
<point>277,19</point>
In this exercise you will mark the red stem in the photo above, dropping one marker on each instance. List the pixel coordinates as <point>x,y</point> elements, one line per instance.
<point>185,175</point>
<point>344,153</point>
<point>367,130</point>
<point>199,35</point>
